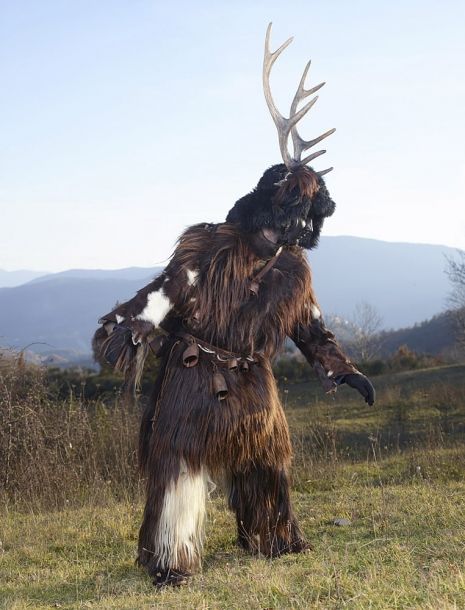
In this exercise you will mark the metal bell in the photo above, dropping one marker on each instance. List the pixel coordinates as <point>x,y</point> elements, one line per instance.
<point>232,364</point>
<point>190,356</point>
<point>220,389</point>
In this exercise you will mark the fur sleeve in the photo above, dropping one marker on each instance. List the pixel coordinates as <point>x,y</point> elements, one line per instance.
<point>126,332</point>
<point>130,329</point>
<point>320,348</point>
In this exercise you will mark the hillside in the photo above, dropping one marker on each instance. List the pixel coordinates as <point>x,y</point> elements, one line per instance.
<point>405,282</point>
<point>434,336</point>
<point>9,279</point>
<point>62,312</point>
<point>128,273</point>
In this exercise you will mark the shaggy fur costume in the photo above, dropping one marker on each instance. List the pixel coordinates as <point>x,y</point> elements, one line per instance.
<point>215,414</point>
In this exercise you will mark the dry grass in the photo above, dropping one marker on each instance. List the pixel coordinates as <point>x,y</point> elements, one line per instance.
<point>404,550</point>
<point>59,452</point>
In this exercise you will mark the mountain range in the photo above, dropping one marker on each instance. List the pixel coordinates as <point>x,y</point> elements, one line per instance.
<point>405,283</point>
<point>16,278</point>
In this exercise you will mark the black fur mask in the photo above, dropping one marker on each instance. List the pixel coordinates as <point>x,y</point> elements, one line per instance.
<point>287,208</point>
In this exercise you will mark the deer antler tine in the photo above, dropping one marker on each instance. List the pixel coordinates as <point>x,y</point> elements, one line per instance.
<point>314,89</point>
<point>312,156</point>
<point>325,171</point>
<point>303,77</point>
<point>295,118</point>
<point>319,138</point>
<point>275,54</point>
<point>301,145</point>
<point>301,92</point>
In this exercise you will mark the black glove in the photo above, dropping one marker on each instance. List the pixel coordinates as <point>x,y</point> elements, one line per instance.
<point>360,383</point>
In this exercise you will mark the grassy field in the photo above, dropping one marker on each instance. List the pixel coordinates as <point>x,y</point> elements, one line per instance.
<point>396,471</point>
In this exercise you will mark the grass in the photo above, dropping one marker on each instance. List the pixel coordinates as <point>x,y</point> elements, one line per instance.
<point>404,549</point>
<point>396,472</point>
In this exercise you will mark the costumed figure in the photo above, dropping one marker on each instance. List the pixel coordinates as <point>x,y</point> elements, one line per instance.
<point>228,299</point>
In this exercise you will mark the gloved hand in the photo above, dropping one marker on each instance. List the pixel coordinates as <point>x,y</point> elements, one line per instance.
<point>360,383</point>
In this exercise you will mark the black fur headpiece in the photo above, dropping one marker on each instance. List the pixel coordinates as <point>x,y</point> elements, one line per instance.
<point>289,206</point>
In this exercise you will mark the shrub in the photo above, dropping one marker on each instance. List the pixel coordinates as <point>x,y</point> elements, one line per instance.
<point>53,450</point>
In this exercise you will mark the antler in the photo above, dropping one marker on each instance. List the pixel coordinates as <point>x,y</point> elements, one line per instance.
<point>289,126</point>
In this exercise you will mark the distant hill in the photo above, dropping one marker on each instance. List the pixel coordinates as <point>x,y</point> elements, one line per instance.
<point>16,278</point>
<point>128,273</point>
<point>434,336</point>
<point>406,283</point>
<point>60,312</point>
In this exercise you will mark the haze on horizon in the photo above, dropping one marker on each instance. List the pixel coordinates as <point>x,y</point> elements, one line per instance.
<point>124,122</point>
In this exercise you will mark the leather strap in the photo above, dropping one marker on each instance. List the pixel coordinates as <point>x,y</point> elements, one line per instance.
<point>221,355</point>
<point>255,281</point>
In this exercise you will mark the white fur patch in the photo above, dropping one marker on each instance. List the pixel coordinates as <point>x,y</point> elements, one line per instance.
<point>158,305</point>
<point>119,318</point>
<point>191,276</point>
<point>180,530</point>
<point>316,313</point>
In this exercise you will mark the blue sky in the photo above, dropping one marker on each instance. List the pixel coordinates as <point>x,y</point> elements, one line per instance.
<point>123,122</point>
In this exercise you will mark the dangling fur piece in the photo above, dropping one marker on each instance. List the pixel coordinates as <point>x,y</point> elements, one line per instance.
<point>300,184</point>
<point>118,350</point>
